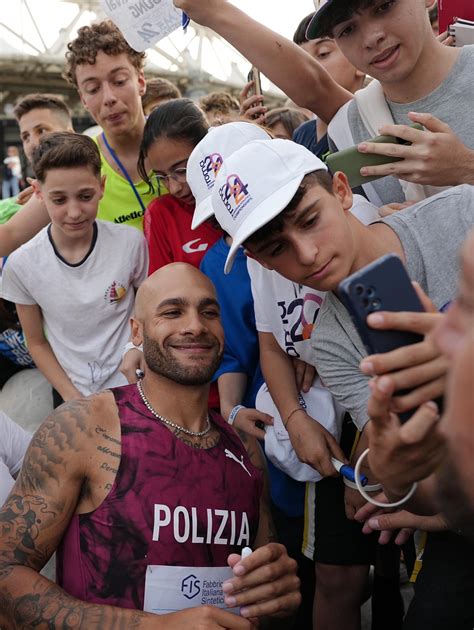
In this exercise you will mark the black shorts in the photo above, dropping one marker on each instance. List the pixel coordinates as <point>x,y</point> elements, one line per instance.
<point>337,539</point>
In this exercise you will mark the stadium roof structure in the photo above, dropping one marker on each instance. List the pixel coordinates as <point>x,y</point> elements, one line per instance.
<point>32,49</point>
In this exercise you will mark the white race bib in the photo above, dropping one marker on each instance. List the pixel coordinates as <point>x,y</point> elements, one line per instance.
<point>170,589</point>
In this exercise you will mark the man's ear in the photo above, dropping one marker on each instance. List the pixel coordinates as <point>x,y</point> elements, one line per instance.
<point>249,254</point>
<point>103,179</point>
<point>137,331</point>
<point>342,190</point>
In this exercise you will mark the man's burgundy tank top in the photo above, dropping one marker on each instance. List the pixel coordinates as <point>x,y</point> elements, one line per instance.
<point>171,504</point>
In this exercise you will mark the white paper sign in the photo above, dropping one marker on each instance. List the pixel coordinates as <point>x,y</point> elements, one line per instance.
<point>170,589</point>
<point>143,22</point>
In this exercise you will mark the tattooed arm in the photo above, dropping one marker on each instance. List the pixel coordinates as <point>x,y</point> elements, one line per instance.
<point>54,481</point>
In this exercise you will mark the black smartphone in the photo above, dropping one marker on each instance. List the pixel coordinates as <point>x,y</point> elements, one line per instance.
<point>350,160</point>
<point>384,285</point>
<point>254,75</point>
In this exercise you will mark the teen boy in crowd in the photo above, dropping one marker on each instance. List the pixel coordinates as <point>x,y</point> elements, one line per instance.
<point>391,41</point>
<point>297,221</point>
<point>73,291</point>
<point>103,473</point>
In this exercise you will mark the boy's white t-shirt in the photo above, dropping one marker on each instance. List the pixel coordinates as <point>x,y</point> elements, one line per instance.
<point>86,307</point>
<point>14,441</point>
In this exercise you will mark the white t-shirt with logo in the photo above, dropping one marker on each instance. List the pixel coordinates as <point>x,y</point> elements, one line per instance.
<point>86,307</point>
<point>14,441</point>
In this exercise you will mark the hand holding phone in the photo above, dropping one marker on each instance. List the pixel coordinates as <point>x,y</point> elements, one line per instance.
<point>383,285</point>
<point>351,160</point>
<point>254,75</point>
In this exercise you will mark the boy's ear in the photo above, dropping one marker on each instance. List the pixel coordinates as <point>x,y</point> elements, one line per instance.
<point>342,190</point>
<point>249,254</point>
<point>141,83</point>
<point>37,188</point>
<point>103,179</point>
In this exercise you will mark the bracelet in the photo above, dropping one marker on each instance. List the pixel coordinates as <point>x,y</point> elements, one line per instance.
<point>373,488</point>
<point>291,413</point>
<point>233,414</point>
<point>131,346</point>
<point>368,498</point>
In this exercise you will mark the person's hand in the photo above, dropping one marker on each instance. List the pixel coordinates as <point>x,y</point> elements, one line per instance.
<point>246,420</point>
<point>200,12</point>
<point>251,107</point>
<point>446,39</point>
<point>132,361</point>
<point>420,367</point>
<point>424,160</point>
<point>25,194</point>
<point>313,444</point>
<point>206,618</point>
<point>401,454</point>
<point>392,208</point>
<point>304,375</point>
<point>400,523</point>
<point>265,583</point>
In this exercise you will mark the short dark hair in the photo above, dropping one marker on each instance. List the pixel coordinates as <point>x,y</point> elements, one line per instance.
<point>54,102</point>
<point>290,117</point>
<point>299,36</point>
<point>275,226</point>
<point>158,88</point>
<point>340,12</point>
<point>180,119</point>
<point>65,150</point>
<point>104,36</point>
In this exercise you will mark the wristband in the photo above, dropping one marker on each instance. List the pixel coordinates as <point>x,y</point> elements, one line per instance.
<point>233,414</point>
<point>131,346</point>
<point>368,498</point>
<point>291,413</point>
<point>373,488</point>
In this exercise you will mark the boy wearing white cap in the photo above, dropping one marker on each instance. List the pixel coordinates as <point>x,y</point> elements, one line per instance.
<point>291,216</point>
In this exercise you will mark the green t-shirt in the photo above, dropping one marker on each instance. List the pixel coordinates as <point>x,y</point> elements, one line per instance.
<point>8,207</point>
<point>119,203</point>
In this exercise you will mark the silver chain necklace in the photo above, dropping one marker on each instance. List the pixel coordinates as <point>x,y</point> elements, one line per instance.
<point>173,425</point>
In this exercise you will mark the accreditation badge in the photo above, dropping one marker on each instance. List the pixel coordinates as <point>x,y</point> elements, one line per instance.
<point>171,589</point>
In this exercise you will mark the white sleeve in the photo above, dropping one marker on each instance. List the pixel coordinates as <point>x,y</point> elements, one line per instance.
<point>6,482</point>
<point>140,268</point>
<point>257,283</point>
<point>14,441</point>
<point>13,275</point>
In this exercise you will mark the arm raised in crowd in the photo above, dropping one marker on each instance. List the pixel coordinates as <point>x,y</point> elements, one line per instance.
<point>25,224</point>
<point>292,69</point>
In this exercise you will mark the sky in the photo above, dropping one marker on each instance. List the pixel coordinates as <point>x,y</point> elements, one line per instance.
<point>51,15</point>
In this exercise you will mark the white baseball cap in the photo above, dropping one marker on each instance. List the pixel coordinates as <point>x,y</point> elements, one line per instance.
<point>255,184</point>
<point>207,158</point>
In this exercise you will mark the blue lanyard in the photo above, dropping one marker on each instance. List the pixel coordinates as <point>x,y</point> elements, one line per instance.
<point>124,171</point>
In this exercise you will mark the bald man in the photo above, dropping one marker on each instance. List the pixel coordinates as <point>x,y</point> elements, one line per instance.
<point>148,500</point>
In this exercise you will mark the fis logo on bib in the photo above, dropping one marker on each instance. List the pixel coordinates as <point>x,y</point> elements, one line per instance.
<point>191,586</point>
<point>235,195</point>
<point>210,166</point>
<point>115,293</point>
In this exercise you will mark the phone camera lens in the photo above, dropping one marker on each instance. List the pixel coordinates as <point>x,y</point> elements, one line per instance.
<point>365,302</point>
<point>359,289</point>
<point>376,304</point>
<point>371,292</point>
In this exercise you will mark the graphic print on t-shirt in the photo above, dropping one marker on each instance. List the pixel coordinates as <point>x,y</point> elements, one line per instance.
<point>298,318</point>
